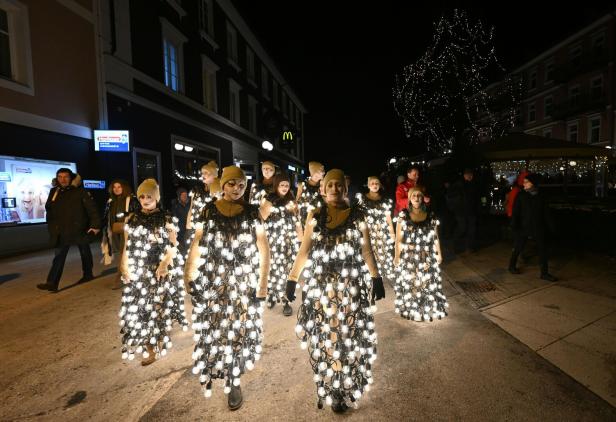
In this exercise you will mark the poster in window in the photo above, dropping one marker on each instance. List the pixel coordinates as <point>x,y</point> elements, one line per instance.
<point>28,182</point>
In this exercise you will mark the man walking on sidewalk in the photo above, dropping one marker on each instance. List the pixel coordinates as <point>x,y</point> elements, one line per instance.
<point>71,218</point>
<point>530,219</point>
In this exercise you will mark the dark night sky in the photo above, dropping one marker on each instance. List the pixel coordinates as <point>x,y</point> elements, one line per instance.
<point>340,58</point>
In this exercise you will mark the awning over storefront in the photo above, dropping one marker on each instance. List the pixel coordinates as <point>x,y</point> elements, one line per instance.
<point>520,146</point>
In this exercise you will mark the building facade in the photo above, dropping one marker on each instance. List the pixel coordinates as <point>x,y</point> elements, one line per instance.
<point>569,91</point>
<point>50,101</point>
<point>191,83</point>
<point>187,79</point>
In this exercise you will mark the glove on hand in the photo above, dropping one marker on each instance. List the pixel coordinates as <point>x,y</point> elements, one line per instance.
<point>378,290</point>
<point>290,290</point>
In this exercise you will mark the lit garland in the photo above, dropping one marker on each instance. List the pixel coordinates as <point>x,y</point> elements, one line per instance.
<point>380,237</point>
<point>550,169</point>
<point>282,236</point>
<point>150,306</point>
<point>442,97</point>
<point>226,318</point>
<point>419,285</point>
<point>335,321</point>
<point>258,192</point>
<point>309,200</point>
<point>199,198</point>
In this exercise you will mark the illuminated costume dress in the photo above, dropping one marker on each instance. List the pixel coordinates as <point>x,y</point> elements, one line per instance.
<point>309,200</point>
<point>284,245</point>
<point>259,191</point>
<point>226,318</point>
<point>335,319</point>
<point>381,241</point>
<point>419,285</point>
<point>199,198</point>
<point>149,306</point>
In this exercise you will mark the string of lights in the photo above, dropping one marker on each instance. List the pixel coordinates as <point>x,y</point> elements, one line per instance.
<point>380,237</point>
<point>258,192</point>
<point>308,200</point>
<point>199,198</point>
<point>419,284</point>
<point>335,321</point>
<point>150,306</point>
<point>443,98</point>
<point>227,319</point>
<point>284,246</point>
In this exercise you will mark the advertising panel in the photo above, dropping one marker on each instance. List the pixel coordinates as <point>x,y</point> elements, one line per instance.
<point>111,141</point>
<point>24,187</point>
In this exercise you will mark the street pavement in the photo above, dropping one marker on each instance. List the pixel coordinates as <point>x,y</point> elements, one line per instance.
<point>571,323</point>
<point>60,357</point>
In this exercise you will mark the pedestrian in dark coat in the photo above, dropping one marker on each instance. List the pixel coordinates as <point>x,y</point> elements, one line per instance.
<point>464,202</point>
<point>72,218</point>
<point>531,220</point>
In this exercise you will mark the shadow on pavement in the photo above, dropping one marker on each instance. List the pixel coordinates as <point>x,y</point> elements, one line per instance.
<point>8,277</point>
<point>104,273</point>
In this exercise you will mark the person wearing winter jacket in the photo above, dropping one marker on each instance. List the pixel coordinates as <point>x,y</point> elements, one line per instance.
<point>513,193</point>
<point>121,203</point>
<point>531,220</point>
<point>71,218</point>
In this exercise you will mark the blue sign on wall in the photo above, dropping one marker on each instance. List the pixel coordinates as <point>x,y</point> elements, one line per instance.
<point>111,141</point>
<point>94,184</point>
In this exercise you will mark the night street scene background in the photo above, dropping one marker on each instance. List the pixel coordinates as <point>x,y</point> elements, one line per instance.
<point>266,210</point>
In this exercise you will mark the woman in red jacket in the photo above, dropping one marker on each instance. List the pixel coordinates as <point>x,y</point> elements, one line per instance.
<point>510,200</point>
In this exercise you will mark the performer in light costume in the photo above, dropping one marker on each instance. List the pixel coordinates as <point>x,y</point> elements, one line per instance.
<point>308,192</point>
<point>419,284</point>
<point>151,268</point>
<point>284,232</point>
<point>335,320</point>
<point>378,219</point>
<point>260,190</point>
<point>202,194</point>
<point>227,269</point>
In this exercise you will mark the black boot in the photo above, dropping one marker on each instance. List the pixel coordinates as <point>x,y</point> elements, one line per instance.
<point>235,398</point>
<point>338,404</point>
<point>85,279</point>
<point>47,286</point>
<point>287,310</point>
<point>548,277</point>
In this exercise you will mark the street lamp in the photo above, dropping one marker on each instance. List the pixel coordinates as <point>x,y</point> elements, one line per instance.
<point>267,145</point>
<point>179,147</point>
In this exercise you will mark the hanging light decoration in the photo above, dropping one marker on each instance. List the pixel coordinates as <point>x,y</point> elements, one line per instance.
<point>443,97</point>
